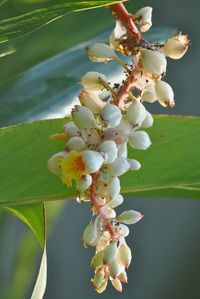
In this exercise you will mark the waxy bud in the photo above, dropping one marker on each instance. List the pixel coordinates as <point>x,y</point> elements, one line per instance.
<point>109,148</point>
<point>124,230</point>
<point>123,277</point>
<point>176,46</point>
<point>111,114</point>
<point>136,113</point>
<point>114,187</point>
<point>108,212</point>
<point>164,93</point>
<point>118,167</point>
<point>149,94</point>
<point>54,163</point>
<point>122,150</point>
<point>84,183</point>
<point>148,121</point>
<point>100,53</point>
<point>71,129</point>
<point>124,127</point>
<point>125,255</point>
<point>92,160</point>
<point>83,118</point>
<point>129,217</point>
<point>115,268</point>
<point>117,284</point>
<point>90,234</point>
<point>153,62</point>
<point>134,164</point>
<point>139,140</point>
<point>102,287</point>
<point>98,278</point>
<point>97,260</point>
<point>109,253</point>
<point>144,16</point>
<point>75,143</point>
<point>91,101</point>
<point>93,81</point>
<point>116,201</point>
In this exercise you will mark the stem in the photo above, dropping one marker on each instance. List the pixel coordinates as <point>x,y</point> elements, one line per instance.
<point>124,91</point>
<point>97,207</point>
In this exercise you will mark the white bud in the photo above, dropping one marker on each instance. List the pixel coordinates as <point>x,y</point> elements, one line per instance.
<point>111,114</point>
<point>144,15</point>
<point>114,187</point>
<point>164,93</point>
<point>109,253</point>
<point>83,117</point>
<point>54,163</point>
<point>136,113</point>
<point>98,278</point>
<point>176,46</point>
<point>108,212</point>
<point>109,148</point>
<point>97,260</point>
<point>122,150</point>
<point>124,230</point>
<point>102,287</point>
<point>91,101</point>
<point>92,160</point>
<point>149,94</point>
<point>139,140</point>
<point>116,201</point>
<point>134,164</point>
<point>123,277</point>
<point>148,121</point>
<point>100,53</point>
<point>115,268</point>
<point>75,143</point>
<point>153,62</point>
<point>90,234</point>
<point>125,255</point>
<point>129,217</point>
<point>118,167</point>
<point>71,129</point>
<point>124,127</point>
<point>117,284</point>
<point>93,81</point>
<point>84,183</point>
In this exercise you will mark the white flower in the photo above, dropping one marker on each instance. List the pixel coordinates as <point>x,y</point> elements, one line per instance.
<point>139,140</point>
<point>111,114</point>
<point>118,167</point>
<point>153,62</point>
<point>129,217</point>
<point>75,143</point>
<point>122,150</point>
<point>134,164</point>
<point>83,117</point>
<point>149,94</point>
<point>144,16</point>
<point>148,121</point>
<point>93,81</point>
<point>109,148</point>
<point>92,160</point>
<point>84,183</point>
<point>176,46</point>
<point>164,93</point>
<point>136,113</point>
<point>54,163</point>
<point>100,53</point>
<point>91,101</point>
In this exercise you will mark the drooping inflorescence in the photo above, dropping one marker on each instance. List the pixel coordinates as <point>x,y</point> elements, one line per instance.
<point>108,120</point>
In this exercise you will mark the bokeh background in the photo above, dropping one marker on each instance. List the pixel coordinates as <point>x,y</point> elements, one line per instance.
<point>166,243</point>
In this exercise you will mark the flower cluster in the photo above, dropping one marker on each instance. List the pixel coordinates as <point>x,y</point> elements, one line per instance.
<point>108,120</point>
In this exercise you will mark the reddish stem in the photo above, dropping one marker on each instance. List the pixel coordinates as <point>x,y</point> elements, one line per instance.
<point>97,207</point>
<point>124,90</point>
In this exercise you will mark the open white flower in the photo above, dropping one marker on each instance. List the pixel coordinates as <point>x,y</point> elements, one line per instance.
<point>176,46</point>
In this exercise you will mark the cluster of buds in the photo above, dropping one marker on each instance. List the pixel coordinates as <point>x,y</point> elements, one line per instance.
<point>108,120</point>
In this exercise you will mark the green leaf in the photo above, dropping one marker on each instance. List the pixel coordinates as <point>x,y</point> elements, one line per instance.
<point>46,12</point>
<point>170,167</point>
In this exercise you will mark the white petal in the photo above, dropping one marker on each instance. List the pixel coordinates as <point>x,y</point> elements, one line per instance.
<point>71,129</point>
<point>54,163</point>
<point>93,160</point>
<point>91,101</point>
<point>129,217</point>
<point>75,143</point>
<point>83,117</point>
<point>112,115</point>
<point>122,150</point>
<point>149,94</point>
<point>84,183</point>
<point>93,81</point>
<point>148,121</point>
<point>109,147</point>
<point>176,46</point>
<point>100,53</point>
<point>116,201</point>
<point>145,15</point>
<point>139,140</point>
<point>124,127</point>
<point>134,164</point>
<point>118,167</point>
<point>136,113</point>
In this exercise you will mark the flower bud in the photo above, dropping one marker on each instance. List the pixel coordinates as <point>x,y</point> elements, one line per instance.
<point>134,164</point>
<point>100,53</point>
<point>84,183</point>
<point>98,278</point>
<point>117,284</point>
<point>83,118</point>
<point>91,101</point>
<point>108,212</point>
<point>129,217</point>
<point>122,150</point>
<point>148,121</point>
<point>102,287</point>
<point>153,62</point>
<point>149,94</point>
<point>112,115</point>
<point>123,277</point>
<point>90,234</point>
<point>176,46</point>
<point>75,143</point>
<point>109,148</point>
<point>71,129</point>
<point>55,162</point>
<point>124,230</point>
<point>124,127</point>
<point>97,260</point>
<point>114,187</point>
<point>125,255</point>
<point>115,268</point>
<point>144,16</point>
<point>164,93</point>
<point>136,113</point>
<point>109,253</point>
<point>92,160</point>
<point>139,140</point>
<point>118,167</point>
<point>116,201</point>
<point>93,81</point>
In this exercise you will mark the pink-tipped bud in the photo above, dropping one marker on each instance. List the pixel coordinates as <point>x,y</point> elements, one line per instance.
<point>117,284</point>
<point>129,217</point>
<point>123,277</point>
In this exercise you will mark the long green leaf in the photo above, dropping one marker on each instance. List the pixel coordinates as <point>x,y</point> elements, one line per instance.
<point>170,168</point>
<point>20,25</point>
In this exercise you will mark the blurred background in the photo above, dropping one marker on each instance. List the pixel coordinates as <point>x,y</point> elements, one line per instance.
<point>166,243</point>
